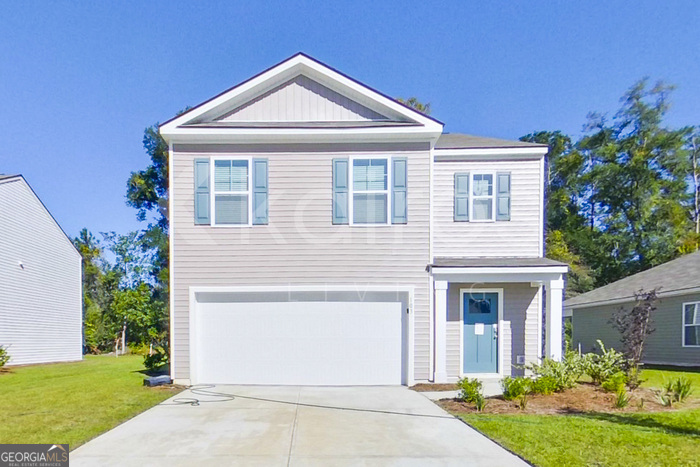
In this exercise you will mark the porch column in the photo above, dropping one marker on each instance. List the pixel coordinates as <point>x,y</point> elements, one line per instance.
<point>440,375</point>
<point>554,318</point>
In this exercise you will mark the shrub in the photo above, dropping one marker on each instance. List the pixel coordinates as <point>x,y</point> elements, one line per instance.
<point>4,356</point>
<point>545,385</point>
<point>615,383</point>
<point>157,360</point>
<point>480,402</point>
<point>522,401</point>
<point>565,374</point>
<point>514,388</point>
<point>675,391</point>
<point>470,389</point>
<point>633,377</point>
<point>622,398</point>
<point>602,366</point>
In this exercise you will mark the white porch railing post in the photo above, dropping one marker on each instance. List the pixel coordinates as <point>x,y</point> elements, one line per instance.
<point>440,375</point>
<point>554,319</point>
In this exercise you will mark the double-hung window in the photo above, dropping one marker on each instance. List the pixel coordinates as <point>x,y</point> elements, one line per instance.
<point>370,191</point>
<point>482,196</point>
<point>691,324</point>
<point>483,199</point>
<point>231,200</point>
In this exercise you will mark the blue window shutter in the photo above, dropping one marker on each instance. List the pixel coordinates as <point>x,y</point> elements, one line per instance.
<point>503,196</point>
<point>201,192</point>
<point>462,197</point>
<point>399,209</point>
<point>260,208</point>
<point>340,191</point>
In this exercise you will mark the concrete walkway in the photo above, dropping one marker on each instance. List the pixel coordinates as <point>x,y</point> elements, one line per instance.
<point>273,425</point>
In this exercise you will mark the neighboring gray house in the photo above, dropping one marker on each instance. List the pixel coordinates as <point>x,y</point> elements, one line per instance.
<point>676,339</point>
<point>323,233</point>
<point>40,280</point>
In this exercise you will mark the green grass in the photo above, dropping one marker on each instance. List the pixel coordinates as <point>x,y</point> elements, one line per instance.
<point>671,438</point>
<point>73,402</point>
<point>655,378</point>
<point>601,439</point>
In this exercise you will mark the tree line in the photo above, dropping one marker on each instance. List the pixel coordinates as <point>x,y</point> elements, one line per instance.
<point>625,196</point>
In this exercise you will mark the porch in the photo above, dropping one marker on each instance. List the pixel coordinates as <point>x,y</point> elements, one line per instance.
<point>487,315</point>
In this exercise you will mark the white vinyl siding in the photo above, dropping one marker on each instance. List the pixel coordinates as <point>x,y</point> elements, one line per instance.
<point>301,99</point>
<point>40,282</point>
<point>521,236</point>
<point>300,245</point>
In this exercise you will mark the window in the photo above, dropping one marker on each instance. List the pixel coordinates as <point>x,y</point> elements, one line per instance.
<point>691,324</point>
<point>231,200</point>
<point>483,198</point>
<point>370,191</point>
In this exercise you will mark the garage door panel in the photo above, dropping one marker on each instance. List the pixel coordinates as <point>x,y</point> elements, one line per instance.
<point>315,343</point>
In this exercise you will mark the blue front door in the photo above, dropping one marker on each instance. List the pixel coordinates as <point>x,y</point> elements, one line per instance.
<point>480,321</point>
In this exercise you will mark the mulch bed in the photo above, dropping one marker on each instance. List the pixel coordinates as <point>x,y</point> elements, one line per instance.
<point>583,398</point>
<point>430,387</point>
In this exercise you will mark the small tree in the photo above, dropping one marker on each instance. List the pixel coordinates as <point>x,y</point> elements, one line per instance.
<point>635,325</point>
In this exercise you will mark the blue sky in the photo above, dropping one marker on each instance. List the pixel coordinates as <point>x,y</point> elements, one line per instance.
<point>80,81</point>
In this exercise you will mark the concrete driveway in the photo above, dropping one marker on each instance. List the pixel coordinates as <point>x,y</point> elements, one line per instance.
<point>273,425</point>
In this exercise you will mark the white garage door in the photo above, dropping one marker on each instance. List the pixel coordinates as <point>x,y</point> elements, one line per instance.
<point>304,343</point>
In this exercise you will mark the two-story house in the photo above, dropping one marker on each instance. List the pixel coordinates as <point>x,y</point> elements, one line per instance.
<point>323,233</point>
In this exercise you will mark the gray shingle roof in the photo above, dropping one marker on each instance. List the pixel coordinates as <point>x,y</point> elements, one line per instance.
<point>462,141</point>
<point>497,262</point>
<point>677,275</point>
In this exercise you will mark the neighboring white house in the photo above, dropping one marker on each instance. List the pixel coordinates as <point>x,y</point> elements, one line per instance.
<point>40,280</point>
<point>323,233</point>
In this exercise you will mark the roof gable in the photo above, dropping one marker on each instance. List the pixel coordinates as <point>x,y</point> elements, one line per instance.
<point>299,90</point>
<point>301,99</point>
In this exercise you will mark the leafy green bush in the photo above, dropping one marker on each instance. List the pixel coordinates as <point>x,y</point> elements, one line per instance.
<point>545,385</point>
<point>676,390</point>
<point>4,356</point>
<point>615,383</point>
<point>470,389</point>
<point>565,374</point>
<point>602,366</point>
<point>513,388</point>
<point>622,398</point>
<point>157,360</point>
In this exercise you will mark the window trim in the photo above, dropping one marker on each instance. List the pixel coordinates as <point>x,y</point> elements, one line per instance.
<point>493,196</point>
<point>351,190</point>
<point>683,344</point>
<point>213,192</point>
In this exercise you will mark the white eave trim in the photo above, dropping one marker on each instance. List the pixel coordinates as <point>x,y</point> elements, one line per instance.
<point>630,298</point>
<point>514,153</point>
<point>437,270</point>
<point>298,64</point>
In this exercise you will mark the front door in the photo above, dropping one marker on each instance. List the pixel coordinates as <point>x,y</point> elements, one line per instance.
<point>480,333</point>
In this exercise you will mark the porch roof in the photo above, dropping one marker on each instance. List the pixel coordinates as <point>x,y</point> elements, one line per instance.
<point>488,262</point>
<point>496,269</point>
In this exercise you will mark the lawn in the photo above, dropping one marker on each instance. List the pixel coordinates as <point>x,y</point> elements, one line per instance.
<point>671,437</point>
<point>73,402</point>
